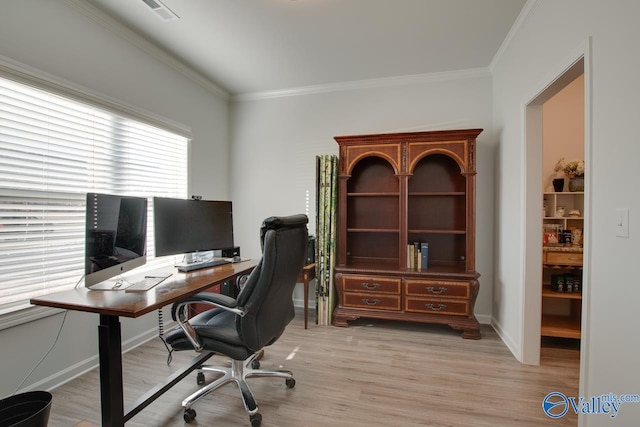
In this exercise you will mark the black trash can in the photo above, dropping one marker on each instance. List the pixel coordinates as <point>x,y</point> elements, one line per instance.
<point>29,409</point>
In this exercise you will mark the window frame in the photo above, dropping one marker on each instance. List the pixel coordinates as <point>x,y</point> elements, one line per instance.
<point>21,313</point>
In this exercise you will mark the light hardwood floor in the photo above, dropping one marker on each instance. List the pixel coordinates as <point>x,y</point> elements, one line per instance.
<point>374,373</point>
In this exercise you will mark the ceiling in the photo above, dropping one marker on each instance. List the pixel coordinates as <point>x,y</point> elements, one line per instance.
<point>253,46</point>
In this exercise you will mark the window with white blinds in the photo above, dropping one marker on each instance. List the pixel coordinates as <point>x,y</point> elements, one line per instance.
<point>53,150</point>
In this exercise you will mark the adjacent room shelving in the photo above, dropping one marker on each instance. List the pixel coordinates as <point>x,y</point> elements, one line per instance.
<point>562,259</point>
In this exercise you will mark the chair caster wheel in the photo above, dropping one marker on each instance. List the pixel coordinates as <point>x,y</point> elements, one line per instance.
<point>200,378</point>
<point>189,415</point>
<point>256,419</point>
<point>290,382</point>
<point>255,364</point>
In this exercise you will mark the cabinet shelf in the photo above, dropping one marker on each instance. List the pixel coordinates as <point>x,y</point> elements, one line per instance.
<point>437,193</point>
<point>548,293</point>
<point>560,326</point>
<point>385,194</point>
<point>372,230</point>
<point>551,218</point>
<point>433,231</point>
<point>564,193</point>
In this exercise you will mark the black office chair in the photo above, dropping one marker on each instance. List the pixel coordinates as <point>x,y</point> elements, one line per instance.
<point>240,328</point>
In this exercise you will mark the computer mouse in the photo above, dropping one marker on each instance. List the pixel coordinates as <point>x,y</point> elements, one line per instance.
<point>237,258</point>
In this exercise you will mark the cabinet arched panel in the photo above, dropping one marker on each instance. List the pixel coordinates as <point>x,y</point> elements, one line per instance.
<point>460,151</point>
<point>372,174</point>
<point>436,173</point>
<point>352,154</point>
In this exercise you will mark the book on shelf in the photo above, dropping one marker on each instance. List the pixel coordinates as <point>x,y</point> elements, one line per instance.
<point>418,255</point>
<point>424,255</point>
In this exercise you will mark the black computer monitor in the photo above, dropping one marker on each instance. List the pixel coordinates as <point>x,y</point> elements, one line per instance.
<point>183,226</point>
<point>115,235</point>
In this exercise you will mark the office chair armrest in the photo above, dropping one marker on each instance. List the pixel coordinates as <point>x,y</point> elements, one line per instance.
<point>223,301</point>
<point>179,312</point>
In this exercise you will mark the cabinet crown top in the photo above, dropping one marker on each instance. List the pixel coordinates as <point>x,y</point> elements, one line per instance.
<point>438,135</point>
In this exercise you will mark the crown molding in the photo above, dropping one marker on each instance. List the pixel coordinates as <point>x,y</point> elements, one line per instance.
<point>527,10</point>
<point>365,84</point>
<point>137,40</point>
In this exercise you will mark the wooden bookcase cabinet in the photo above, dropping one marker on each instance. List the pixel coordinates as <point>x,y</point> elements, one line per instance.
<point>396,189</point>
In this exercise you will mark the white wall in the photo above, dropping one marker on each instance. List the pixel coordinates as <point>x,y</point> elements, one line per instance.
<point>58,39</point>
<point>563,129</point>
<point>551,33</point>
<point>275,141</point>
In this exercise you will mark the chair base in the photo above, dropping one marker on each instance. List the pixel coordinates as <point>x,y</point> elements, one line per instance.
<point>238,372</point>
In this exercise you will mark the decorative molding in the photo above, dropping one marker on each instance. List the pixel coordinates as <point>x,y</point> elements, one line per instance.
<point>366,84</point>
<point>137,40</point>
<point>527,10</point>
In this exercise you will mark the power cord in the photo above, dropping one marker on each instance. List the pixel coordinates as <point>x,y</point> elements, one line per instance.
<point>55,341</point>
<point>64,318</point>
<point>161,336</point>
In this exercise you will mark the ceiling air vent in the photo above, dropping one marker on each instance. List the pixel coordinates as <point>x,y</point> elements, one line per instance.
<point>161,10</point>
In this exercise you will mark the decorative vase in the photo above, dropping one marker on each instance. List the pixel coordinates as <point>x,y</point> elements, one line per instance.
<point>576,184</point>
<point>558,184</point>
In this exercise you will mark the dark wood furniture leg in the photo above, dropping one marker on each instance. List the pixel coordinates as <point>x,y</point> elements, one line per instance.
<point>306,276</point>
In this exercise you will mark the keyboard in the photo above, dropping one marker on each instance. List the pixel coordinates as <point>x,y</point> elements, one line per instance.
<point>202,264</point>
<point>146,284</point>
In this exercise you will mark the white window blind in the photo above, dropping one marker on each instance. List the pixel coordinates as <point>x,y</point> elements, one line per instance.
<point>53,150</point>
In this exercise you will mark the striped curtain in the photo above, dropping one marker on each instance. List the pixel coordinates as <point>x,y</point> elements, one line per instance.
<point>326,218</point>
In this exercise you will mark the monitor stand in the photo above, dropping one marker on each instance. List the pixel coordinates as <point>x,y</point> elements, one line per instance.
<point>192,262</point>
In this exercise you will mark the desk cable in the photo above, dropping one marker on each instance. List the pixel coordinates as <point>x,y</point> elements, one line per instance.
<point>55,341</point>
<point>161,336</point>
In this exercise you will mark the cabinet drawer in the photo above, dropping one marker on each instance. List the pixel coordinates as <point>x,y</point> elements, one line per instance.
<point>563,258</point>
<point>371,300</point>
<point>378,285</point>
<point>439,288</point>
<point>436,306</point>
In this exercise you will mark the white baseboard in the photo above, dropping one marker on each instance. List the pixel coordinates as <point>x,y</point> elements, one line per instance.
<point>506,339</point>
<point>484,319</point>
<point>74,371</point>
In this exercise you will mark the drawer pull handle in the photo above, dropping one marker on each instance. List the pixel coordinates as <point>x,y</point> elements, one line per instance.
<point>370,287</point>
<point>440,290</point>
<point>374,302</point>
<point>574,259</point>
<point>434,308</point>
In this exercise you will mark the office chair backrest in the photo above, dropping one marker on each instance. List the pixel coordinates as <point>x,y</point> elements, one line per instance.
<point>267,294</point>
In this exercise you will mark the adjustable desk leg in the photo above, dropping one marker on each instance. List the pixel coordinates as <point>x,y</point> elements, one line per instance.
<point>111,387</point>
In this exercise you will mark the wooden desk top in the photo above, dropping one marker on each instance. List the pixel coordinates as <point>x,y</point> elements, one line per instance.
<point>135,304</point>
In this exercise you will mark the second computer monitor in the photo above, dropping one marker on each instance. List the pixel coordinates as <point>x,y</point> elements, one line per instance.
<point>188,226</point>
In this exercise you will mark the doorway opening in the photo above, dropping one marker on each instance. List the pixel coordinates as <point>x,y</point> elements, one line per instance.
<point>545,317</point>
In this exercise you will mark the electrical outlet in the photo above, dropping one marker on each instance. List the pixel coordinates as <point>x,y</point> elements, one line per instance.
<point>622,222</point>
